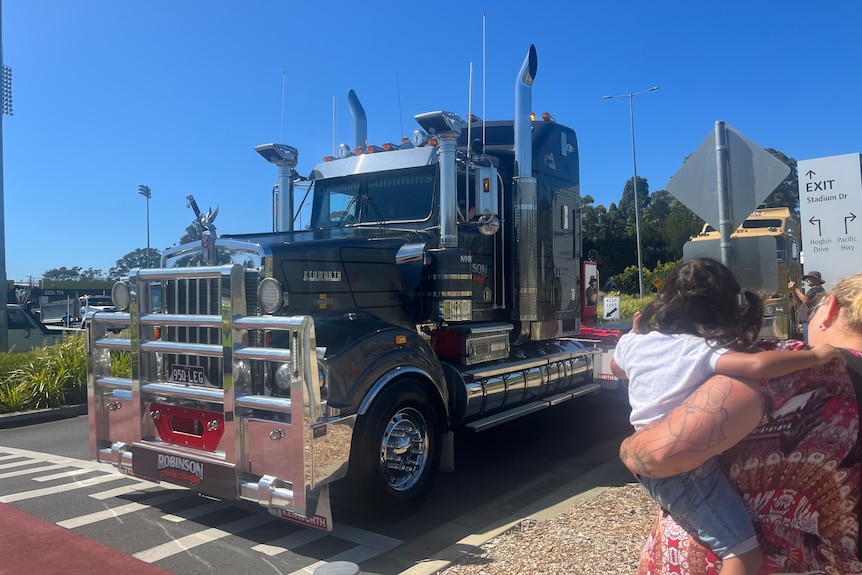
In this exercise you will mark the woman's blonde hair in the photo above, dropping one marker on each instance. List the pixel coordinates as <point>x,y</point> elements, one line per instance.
<point>848,292</point>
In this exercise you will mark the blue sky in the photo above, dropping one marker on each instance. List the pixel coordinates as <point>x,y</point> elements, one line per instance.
<point>111,94</point>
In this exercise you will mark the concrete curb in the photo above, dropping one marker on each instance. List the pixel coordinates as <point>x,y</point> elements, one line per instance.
<point>22,418</point>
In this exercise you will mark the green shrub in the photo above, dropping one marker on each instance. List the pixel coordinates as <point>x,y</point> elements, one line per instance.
<point>47,377</point>
<point>627,281</point>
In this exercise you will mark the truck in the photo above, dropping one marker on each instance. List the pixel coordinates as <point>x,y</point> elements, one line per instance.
<point>773,234</point>
<point>438,287</point>
<point>26,332</point>
<point>59,312</point>
<point>92,303</point>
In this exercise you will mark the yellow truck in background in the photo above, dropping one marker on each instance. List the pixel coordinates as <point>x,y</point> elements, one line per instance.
<point>764,231</point>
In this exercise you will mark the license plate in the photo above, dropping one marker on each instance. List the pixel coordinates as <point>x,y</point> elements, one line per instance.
<point>188,374</point>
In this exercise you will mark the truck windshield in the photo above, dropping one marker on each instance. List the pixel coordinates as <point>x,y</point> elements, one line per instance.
<point>394,196</point>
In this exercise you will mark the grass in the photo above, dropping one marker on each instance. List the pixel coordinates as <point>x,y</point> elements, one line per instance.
<point>51,376</point>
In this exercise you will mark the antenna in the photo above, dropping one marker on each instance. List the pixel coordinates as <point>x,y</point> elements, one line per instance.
<point>400,113</point>
<point>469,146</point>
<point>469,110</point>
<point>334,124</point>
<point>283,78</point>
<point>484,71</point>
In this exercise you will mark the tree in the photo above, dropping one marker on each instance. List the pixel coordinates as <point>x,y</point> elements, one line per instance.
<point>62,274</point>
<point>787,192</point>
<point>627,206</point>
<point>135,259</point>
<point>73,274</point>
<point>91,275</point>
<point>194,233</point>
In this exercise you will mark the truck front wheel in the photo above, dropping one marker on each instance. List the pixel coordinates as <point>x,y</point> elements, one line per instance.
<point>396,449</point>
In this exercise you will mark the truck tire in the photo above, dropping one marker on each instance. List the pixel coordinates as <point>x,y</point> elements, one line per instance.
<point>396,450</point>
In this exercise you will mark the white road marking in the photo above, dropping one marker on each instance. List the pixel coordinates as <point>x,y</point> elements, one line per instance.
<point>63,475</point>
<point>368,543</point>
<point>288,542</point>
<point>15,464</point>
<point>170,548</point>
<point>11,498</point>
<point>198,511</point>
<point>119,511</point>
<point>29,471</point>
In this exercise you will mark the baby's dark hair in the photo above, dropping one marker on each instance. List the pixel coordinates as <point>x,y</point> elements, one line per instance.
<point>702,297</point>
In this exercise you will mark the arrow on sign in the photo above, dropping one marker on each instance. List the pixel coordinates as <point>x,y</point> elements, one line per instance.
<point>812,220</point>
<point>849,218</point>
<point>810,174</point>
<point>611,312</point>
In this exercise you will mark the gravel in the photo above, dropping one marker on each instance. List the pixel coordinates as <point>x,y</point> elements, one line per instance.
<point>604,535</point>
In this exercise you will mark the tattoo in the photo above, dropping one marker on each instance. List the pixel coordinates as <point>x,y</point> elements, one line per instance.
<point>698,426</point>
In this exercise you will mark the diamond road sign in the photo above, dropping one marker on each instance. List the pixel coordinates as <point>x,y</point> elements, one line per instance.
<point>754,174</point>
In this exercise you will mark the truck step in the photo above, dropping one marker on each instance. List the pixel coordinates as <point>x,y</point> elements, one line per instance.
<point>494,420</point>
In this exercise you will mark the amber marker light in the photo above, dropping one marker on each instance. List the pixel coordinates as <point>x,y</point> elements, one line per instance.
<point>400,339</point>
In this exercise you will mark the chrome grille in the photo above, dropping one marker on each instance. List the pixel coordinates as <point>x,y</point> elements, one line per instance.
<point>202,296</point>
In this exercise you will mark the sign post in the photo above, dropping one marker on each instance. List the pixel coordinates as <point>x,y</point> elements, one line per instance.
<point>724,180</point>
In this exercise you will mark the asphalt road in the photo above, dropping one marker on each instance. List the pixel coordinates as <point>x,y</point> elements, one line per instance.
<point>500,475</point>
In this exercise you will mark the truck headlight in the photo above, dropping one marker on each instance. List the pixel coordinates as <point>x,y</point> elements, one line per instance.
<point>270,296</point>
<point>283,377</point>
<point>121,295</point>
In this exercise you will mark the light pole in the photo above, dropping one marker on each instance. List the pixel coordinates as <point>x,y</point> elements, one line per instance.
<point>145,191</point>
<point>635,181</point>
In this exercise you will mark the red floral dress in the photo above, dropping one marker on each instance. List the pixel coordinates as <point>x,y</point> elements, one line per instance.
<point>799,475</point>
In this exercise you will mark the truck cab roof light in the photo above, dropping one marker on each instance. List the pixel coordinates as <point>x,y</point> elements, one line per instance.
<point>344,151</point>
<point>357,151</point>
<point>388,146</point>
<point>547,117</point>
<point>328,158</point>
<point>371,149</point>
<point>419,138</point>
<point>473,118</point>
<point>432,141</point>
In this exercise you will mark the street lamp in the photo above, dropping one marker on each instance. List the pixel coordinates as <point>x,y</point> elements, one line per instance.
<point>145,191</point>
<point>635,181</point>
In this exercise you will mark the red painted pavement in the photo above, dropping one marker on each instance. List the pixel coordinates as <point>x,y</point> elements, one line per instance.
<point>31,546</point>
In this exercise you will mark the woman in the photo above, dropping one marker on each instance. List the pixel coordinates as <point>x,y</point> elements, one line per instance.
<point>799,472</point>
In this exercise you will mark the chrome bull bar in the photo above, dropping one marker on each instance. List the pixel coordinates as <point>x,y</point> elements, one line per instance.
<point>280,450</point>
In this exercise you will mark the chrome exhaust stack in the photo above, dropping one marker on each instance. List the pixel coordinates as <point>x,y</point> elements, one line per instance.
<point>526,233</point>
<point>360,120</point>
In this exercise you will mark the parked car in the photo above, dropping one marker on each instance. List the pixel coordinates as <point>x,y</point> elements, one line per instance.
<point>26,332</point>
